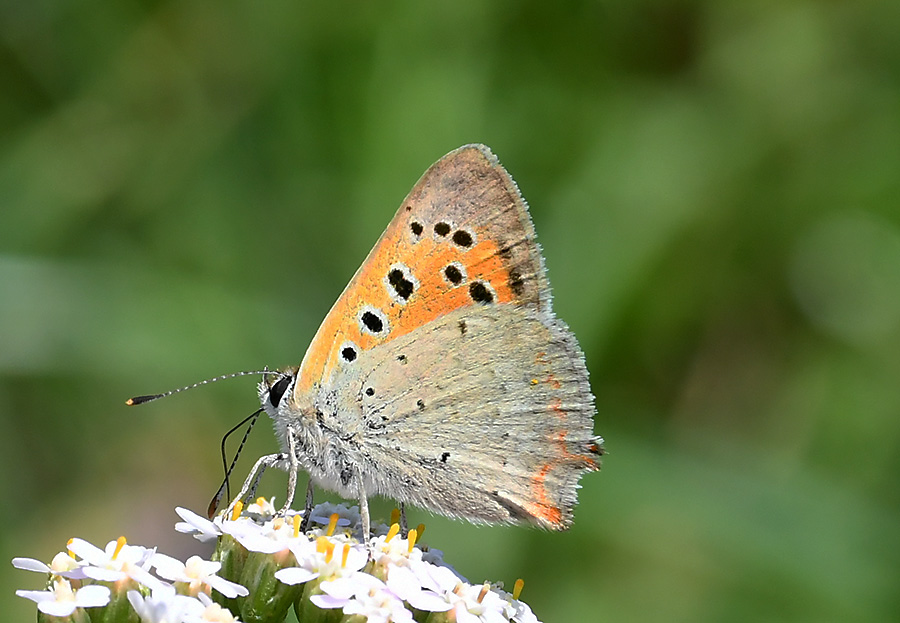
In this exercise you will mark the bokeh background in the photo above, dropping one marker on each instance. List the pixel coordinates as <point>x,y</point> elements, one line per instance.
<point>186,186</point>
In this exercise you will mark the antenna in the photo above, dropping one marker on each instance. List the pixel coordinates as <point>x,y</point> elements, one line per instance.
<point>226,485</point>
<point>252,418</point>
<point>139,400</point>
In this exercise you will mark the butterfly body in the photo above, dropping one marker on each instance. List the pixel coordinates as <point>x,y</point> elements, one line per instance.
<point>441,376</point>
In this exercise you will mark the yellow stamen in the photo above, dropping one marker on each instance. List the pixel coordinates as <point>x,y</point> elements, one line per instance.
<point>321,545</point>
<point>120,543</point>
<point>236,511</point>
<point>279,521</point>
<point>395,528</point>
<point>68,543</point>
<point>395,516</point>
<point>534,381</point>
<point>332,524</point>
<point>517,588</point>
<point>296,521</point>
<point>420,530</point>
<point>484,591</point>
<point>344,555</point>
<point>413,535</point>
<point>329,552</point>
<point>260,501</point>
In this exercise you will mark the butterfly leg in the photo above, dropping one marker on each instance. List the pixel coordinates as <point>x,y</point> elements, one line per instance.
<point>307,512</point>
<point>251,493</point>
<point>293,467</point>
<point>252,481</point>
<point>404,527</point>
<point>364,513</point>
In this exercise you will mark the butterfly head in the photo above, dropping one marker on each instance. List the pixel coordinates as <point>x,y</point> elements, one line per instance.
<point>276,388</point>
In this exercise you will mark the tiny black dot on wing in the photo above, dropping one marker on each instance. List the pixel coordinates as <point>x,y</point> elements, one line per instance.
<point>348,353</point>
<point>441,229</point>
<point>416,228</point>
<point>420,404</point>
<point>444,457</point>
<point>370,391</point>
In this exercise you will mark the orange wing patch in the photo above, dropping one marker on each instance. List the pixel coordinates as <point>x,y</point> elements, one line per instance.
<point>438,274</point>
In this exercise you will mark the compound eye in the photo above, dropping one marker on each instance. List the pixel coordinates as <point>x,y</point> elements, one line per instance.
<point>277,390</point>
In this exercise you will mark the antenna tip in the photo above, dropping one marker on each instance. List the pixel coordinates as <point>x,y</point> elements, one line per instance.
<point>139,400</point>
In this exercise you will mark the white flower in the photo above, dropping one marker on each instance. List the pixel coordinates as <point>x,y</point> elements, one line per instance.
<point>199,527</point>
<point>522,612</point>
<point>406,584</point>
<point>470,604</point>
<point>323,558</point>
<point>517,611</point>
<point>62,565</point>
<point>117,562</point>
<point>164,606</point>
<point>347,516</point>
<point>269,537</point>
<point>61,600</point>
<point>261,509</point>
<point>410,576</point>
<point>393,546</point>
<point>473,604</point>
<point>212,613</point>
<point>365,595</point>
<point>197,573</point>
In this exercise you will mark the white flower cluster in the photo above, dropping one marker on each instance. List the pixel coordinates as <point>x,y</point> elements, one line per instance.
<point>389,579</point>
<point>156,601</point>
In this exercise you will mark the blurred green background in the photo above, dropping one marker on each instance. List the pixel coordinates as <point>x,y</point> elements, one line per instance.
<point>186,187</point>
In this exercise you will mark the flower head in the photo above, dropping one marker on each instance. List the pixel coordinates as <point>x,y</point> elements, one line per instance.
<point>164,605</point>
<point>61,600</point>
<point>118,561</point>
<point>365,595</point>
<point>63,564</point>
<point>196,574</point>
<point>388,578</point>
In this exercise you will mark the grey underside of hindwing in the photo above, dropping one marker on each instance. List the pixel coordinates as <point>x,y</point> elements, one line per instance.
<point>461,416</point>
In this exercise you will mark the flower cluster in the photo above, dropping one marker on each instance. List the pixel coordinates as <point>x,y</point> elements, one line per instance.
<point>263,566</point>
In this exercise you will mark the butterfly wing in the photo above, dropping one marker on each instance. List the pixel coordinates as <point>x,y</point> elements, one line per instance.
<point>444,360</point>
<point>486,414</point>
<point>461,237</point>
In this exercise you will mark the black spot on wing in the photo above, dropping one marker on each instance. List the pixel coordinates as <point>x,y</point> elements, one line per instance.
<point>481,293</point>
<point>402,286</point>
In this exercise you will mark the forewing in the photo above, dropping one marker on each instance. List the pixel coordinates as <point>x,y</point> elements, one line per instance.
<point>462,237</point>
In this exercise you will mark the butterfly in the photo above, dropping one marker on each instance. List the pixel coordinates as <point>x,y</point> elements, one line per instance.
<point>441,377</point>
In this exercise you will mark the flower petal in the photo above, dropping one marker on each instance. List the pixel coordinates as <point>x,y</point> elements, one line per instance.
<point>92,596</point>
<point>30,564</point>
<point>295,575</point>
<point>57,608</point>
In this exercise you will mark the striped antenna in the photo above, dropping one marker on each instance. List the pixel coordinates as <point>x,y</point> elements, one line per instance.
<point>225,488</point>
<point>139,400</point>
